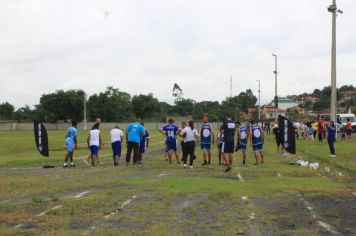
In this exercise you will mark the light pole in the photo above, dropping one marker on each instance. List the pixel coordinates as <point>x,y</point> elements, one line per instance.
<point>275,88</point>
<point>259,99</point>
<point>85,112</point>
<point>333,104</point>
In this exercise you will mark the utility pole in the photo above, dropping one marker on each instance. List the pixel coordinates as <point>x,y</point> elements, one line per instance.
<point>259,100</point>
<point>333,103</point>
<point>85,112</point>
<point>275,88</point>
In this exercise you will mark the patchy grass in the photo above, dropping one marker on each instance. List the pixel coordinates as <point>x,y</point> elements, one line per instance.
<point>201,201</point>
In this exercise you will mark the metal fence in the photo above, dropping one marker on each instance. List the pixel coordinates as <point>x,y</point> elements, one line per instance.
<point>13,126</point>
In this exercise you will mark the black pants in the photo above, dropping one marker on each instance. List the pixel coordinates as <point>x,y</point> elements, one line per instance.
<point>188,149</point>
<point>135,147</point>
<point>331,141</point>
<point>320,136</point>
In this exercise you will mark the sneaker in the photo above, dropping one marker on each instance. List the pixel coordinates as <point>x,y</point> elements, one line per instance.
<point>228,169</point>
<point>204,163</point>
<point>72,164</point>
<point>92,165</point>
<point>185,165</point>
<point>191,167</point>
<point>65,165</point>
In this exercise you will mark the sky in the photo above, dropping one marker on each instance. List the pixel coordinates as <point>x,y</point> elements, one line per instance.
<point>142,47</point>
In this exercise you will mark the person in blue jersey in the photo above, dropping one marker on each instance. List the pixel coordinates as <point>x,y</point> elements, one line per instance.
<point>243,139</point>
<point>331,129</point>
<point>143,144</point>
<point>229,129</point>
<point>170,131</point>
<point>71,143</point>
<point>134,134</point>
<point>206,139</point>
<point>220,144</point>
<point>257,140</point>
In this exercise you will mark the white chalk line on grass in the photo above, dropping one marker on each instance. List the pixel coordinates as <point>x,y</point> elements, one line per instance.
<point>122,206</point>
<point>53,208</point>
<point>315,216</point>
<point>78,195</point>
<point>239,176</point>
<point>163,174</point>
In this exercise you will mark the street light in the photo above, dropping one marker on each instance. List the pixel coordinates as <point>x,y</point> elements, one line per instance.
<point>333,104</point>
<point>259,99</point>
<point>275,87</point>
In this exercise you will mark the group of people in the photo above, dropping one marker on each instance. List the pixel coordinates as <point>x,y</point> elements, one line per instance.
<point>137,140</point>
<point>251,133</point>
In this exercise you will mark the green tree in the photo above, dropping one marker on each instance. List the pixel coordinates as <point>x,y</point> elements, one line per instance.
<point>184,107</point>
<point>24,114</point>
<point>6,110</point>
<point>111,106</point>
<point>146,106</point>
<point>62,105</point>
<point>247,100</point>
<point>177,93</point>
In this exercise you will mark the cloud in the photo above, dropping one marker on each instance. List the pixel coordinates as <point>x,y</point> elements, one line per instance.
<point>147,46</point>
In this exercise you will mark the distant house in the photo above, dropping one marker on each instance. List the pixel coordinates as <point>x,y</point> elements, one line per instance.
<point>269,112</point>
<point>347,95</point>
<point>285,103</point>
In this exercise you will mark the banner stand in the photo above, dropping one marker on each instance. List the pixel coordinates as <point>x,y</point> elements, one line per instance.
<point>41,139</point>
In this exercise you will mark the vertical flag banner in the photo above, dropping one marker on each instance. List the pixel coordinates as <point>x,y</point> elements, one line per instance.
<point>287,133</point>
<point>41,138</point>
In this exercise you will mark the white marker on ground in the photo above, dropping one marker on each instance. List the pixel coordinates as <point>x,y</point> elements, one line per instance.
<point>53,208</point>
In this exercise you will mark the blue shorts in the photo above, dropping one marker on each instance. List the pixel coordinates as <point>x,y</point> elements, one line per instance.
<point>172,145</point>
<point>116,148</point>
<point>94,150</point>
<point>243,148</point>
<point>258,147</point>
<point>205,147</point>
<point>142,147</point>
<point>70,144</point>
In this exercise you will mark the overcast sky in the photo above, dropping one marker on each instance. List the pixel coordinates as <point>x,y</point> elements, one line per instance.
<point>143,46</point>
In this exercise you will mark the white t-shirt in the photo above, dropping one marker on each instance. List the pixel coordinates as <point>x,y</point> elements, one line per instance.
<point>94,137</point>
<point>190,134</point>
<point>115,135</point>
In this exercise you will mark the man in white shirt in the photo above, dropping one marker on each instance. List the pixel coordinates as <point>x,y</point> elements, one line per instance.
<point>116,137</point>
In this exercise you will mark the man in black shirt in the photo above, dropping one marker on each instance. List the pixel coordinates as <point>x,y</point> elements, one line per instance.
<point>229,129</point>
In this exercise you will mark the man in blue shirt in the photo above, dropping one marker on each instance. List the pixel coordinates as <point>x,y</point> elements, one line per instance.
<point>71,143</point>
<point>171,131</point>
<point>134,134</point>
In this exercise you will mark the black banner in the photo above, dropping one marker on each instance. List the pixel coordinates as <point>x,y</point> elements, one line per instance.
<point>287,134</point>
<point>41,138</point>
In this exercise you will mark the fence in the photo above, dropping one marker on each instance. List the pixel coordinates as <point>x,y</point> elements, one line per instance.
<point>13,126</point>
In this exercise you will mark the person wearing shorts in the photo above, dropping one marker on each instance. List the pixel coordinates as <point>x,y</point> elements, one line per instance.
<point>243,139</point>
<point>116,136</point>
<point>220,143</point>
<point>229,129</point>
<point>206,139</point>
<point>170,131</point>
<point>143,144</point>
<point>71,143</point>
<point>94,143</point>
<point>256,141</point>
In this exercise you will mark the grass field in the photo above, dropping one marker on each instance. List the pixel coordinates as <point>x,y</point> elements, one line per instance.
<point>276,198</point>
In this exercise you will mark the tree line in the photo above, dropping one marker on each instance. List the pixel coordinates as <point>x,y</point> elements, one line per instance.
<point>114,105</point>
